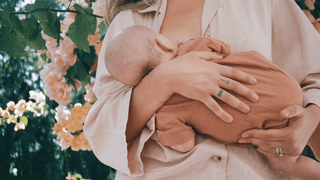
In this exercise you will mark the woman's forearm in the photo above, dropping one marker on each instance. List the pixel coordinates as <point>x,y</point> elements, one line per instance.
<point>147,97</point>
<point>314,142</point>
<point>306,168</point>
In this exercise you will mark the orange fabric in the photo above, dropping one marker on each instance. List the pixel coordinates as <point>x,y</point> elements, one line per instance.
<point>276,90</point>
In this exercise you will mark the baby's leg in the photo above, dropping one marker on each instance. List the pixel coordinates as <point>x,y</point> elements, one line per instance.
<point>172,128</point>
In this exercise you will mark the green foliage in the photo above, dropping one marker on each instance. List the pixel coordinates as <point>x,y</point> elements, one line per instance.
<point>24,120</point>
<point>49,21</point>
<point>102,30</point>
<point>83,25</point>
<point>34,151</point>
<point>11,43</point>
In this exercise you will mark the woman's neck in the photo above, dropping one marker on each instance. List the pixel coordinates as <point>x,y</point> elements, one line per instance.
<point>182,19</point>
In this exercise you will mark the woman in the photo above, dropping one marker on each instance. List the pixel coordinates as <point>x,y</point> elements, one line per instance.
<point>120,126</point>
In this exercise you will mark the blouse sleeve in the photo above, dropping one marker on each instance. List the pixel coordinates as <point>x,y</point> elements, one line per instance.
<point>296,47</point>
<point>105,125</point>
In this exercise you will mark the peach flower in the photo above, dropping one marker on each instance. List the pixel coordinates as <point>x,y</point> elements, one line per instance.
<point>55,84</point>
<point>310,4</point>
<point>89,96</point>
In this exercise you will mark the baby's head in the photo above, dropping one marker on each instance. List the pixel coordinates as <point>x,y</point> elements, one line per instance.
<point>135,51</point>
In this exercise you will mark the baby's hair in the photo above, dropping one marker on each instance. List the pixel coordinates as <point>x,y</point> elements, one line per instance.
<point>131,51</point>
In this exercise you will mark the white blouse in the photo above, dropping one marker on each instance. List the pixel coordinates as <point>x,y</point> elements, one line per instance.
<point>278,29</point>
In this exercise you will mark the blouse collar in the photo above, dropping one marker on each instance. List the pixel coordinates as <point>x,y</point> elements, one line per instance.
<point>209,11</point>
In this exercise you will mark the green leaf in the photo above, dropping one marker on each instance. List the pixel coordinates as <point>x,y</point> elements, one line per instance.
<point>1,122</point>
<point>15,119</point>
<point>16,25</point>
<point>38,44</point>
<point>24,120</point>
<point>44,57</point>
<point>78,175</point>
<point>81,73</point>
<point>5,20</point>
<point>11,43</point>
<point>25,110</point>
<point>83,25</point>
<point>46,107</point>
<point>79,8</point>
<point>30,28</point>
<point>79,38</point>
<point>49,21</point>
<point>102,30</point>
<point>32,34</point>
<point>40,15</point>
<point>88,58</point>
<point>52,28</point>
<point>71,72</point>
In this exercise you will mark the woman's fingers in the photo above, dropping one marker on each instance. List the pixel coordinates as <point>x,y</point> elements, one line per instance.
<point>292,111</point>
<point>270,134</point>
<point>215,108</point>
<point>238,88</point>
<point>231,100</point>
<point>237,75</point>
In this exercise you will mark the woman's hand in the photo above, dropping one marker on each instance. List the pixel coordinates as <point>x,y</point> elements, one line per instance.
<point>292,139</point>
<point>192,76</point>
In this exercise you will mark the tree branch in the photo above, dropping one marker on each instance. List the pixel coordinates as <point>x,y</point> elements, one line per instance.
<point>53,10</point>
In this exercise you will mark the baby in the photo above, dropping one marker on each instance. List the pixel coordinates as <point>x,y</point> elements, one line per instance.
<point>137,50</point>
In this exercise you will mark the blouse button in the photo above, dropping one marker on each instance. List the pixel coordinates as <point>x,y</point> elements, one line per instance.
<point>216,158</point>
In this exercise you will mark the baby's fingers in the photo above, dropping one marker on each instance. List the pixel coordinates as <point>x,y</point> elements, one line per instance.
<point>207,55</point>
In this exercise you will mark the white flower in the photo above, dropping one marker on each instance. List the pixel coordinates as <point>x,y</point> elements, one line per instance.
<point>10,106</point>
<point>62,113</point>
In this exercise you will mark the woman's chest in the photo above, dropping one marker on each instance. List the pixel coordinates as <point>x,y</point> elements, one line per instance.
<point>182,20</point>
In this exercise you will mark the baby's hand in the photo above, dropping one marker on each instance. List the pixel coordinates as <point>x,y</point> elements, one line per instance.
<point>182,41</point>
<point>184,147</point>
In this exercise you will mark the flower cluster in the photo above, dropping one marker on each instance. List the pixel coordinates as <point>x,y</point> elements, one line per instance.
<point>15,111</point>
<point>62,57</point>
<point>69,127</point>
<point>75,177</point>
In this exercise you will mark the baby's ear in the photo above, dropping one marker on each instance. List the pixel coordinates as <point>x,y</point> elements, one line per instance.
<point>164,43</point>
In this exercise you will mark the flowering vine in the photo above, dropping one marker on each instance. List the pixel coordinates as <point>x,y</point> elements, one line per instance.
<point>72,44</point>
<point>14,113</point>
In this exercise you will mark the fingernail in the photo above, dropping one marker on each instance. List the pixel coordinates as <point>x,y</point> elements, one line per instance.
<point>246,108</point>
<point>230,119</point>
<point>255,98</point>
<point>244,135</point>
<point>242,141</point>
<point>286,112</point>
<point>253,80</point>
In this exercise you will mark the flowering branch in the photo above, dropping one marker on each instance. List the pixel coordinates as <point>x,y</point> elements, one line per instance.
<point>53,10</point>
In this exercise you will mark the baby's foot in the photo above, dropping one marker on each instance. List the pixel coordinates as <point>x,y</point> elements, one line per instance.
<point>185,147</point>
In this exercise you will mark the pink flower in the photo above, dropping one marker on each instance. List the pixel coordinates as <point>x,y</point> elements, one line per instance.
<point>68,19</point>
<point>89,96</point>
<point>99,9</point>
<point>55,84</point>
<point>66,51</point>
<point>310,4</point>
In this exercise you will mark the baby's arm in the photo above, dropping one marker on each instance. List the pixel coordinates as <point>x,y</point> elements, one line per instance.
<point>300,166</point>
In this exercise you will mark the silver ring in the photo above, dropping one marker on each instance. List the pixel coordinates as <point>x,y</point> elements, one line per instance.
<point>279,151</point>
